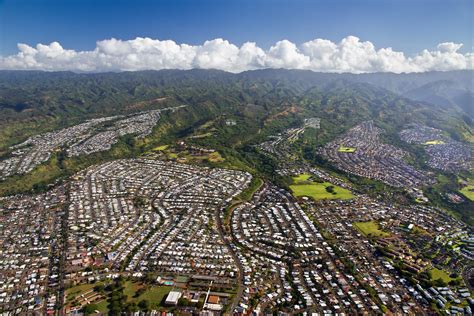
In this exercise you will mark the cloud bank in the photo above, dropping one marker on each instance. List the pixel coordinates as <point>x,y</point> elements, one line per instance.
<point>349,55</point>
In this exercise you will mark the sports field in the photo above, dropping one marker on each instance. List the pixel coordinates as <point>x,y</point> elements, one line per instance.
<point>343,149</point>
<point>153,294</point>
<point>302,186</point>
<point>370,228</point>
<point>161,148</point>
<point>434,142</point>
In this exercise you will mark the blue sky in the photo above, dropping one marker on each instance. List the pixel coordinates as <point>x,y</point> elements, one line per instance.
<point>405,25</point>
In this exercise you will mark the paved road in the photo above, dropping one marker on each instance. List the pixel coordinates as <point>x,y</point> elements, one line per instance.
<point>62,264</point>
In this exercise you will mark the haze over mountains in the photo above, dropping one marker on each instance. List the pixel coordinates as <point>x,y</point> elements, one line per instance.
<point>447,89</point>
<point>451,90</point>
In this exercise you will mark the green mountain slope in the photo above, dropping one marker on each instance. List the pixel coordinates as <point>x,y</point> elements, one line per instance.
<point>262,103</point>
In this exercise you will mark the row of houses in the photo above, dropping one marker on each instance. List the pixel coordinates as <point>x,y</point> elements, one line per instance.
<point>360,151</point>
<point>30,237</point>
<point>444,153</point>
<point>91,136</point>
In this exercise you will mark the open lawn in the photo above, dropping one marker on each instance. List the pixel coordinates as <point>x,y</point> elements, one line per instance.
<point>436,274</point>
<point>344,149</point>
<point>130,288</point>
<point>102,306</point>
<point>468,192</point>
<point>301,178</point>
<point>370,228</point>
<point>467,187</point>
<point>434,142</point>
<point>304,187</point>
<point>161,148</point>
<point>78,290</point>
<point>154,295</point>
<point>418,230</point>
<point>172,155</point>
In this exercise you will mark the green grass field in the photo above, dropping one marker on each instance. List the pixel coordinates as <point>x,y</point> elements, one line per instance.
<point>77,290</point>
<point>102,306</point>
<point>468,189</point>
<point>301,178</point>
<point>154,295</point>
<point>172,155</point>
<point>370,228</point>
<point>304,187</point>
<point>161,148</point>
<point>130,288</point>
<point>436,274</point>
<point>434,142</point>
<point>419,230</point>
<point>343,149</point>
<point>468,192</point>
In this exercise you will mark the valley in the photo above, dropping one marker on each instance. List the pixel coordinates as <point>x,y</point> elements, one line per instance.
<point>208,193</point>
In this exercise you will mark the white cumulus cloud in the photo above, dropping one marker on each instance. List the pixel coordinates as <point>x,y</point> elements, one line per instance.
<point>349,55</point>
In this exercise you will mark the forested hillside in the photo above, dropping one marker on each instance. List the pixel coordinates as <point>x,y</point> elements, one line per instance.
<point>258,103</point>
<point>36,101</point>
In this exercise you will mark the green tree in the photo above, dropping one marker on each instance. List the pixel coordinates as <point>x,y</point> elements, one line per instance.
<point>99,288</point>
<point>439,282</point>
<point>330,189</point>
<point>183,301</point>
<point>89,309</point>
<point>454,282</point>
<point>144,305</point>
